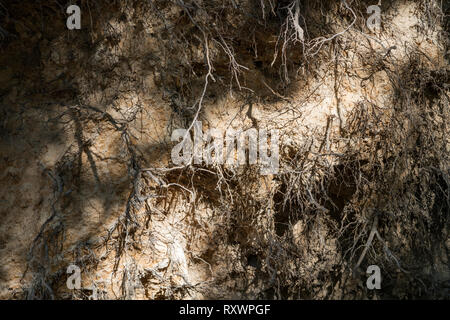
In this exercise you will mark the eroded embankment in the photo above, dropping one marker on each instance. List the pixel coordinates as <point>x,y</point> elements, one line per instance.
<point>87,178</point>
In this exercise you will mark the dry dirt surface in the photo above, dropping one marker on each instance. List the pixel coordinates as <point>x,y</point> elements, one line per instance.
<point>87,178</point>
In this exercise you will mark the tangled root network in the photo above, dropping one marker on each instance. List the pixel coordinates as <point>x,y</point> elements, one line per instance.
<point>88,180</point>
